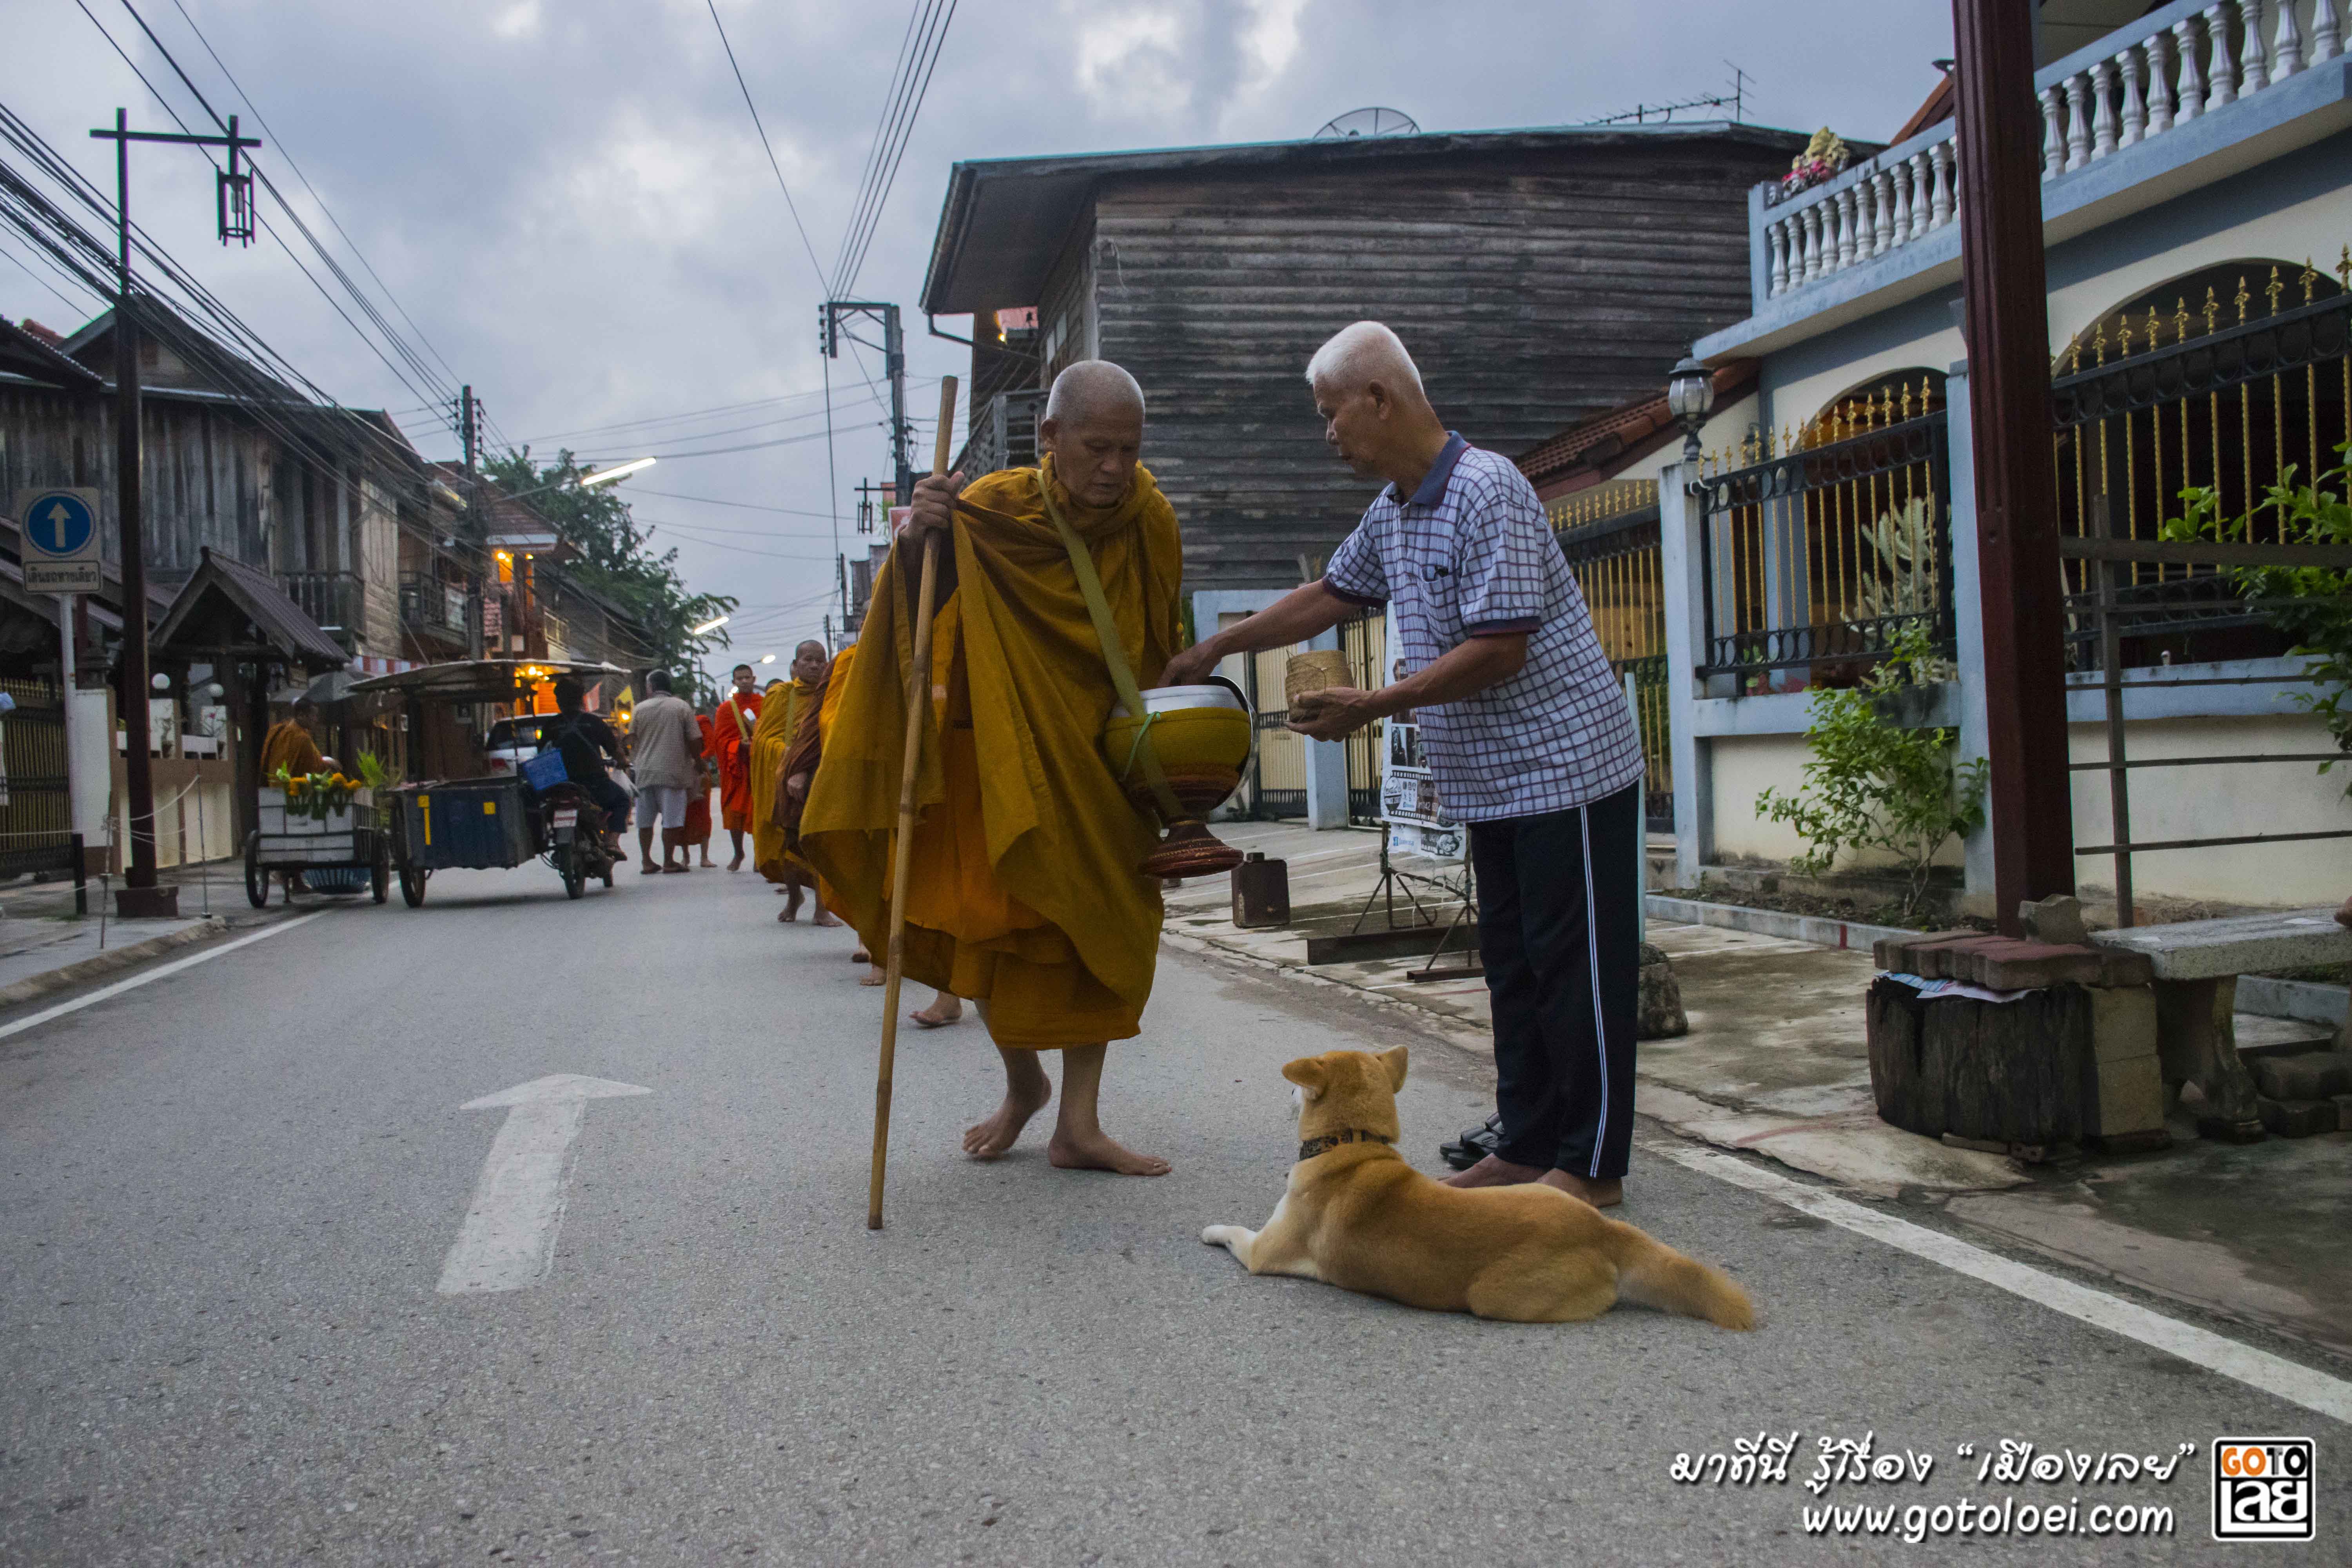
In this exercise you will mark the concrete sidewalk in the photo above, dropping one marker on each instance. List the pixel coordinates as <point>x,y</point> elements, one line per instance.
<point>45,947</point>
<point>1775,1064</point>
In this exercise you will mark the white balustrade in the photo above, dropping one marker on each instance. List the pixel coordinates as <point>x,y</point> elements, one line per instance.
<point>2054,131</point>
<point>2192,82</point>
<point>2326,33</point>
<point>2222,73</point>
<point>2158,53</point>
<point>2254,71</point>
<point>2078,120</point>
<point>2287,55</point>
<point>2135,101</point>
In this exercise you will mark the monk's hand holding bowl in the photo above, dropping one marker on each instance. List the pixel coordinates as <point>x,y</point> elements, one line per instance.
<point>934,503</point>
<point>796,785</point>
<point>1334,713</point>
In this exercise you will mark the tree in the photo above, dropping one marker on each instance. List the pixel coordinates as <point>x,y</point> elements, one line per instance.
<point>616,559</point>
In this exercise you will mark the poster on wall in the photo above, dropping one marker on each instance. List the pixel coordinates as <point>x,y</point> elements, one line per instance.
<point>1411,810</point>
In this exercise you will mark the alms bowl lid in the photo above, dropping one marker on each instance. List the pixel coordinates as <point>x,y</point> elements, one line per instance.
<point>1177,699</point>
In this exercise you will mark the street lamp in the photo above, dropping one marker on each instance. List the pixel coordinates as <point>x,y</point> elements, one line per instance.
<point>618,471</point>
<point>1690,394</point>
<point>767,658</point>
<point>711,625</point>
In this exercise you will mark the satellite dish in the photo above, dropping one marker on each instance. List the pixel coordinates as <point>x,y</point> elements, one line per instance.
<point>1369,123</point>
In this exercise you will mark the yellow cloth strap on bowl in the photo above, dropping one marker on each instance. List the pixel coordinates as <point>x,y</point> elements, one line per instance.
<point>1122,680</point>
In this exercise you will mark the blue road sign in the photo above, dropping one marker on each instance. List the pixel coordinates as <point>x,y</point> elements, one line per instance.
<point>59,523</point>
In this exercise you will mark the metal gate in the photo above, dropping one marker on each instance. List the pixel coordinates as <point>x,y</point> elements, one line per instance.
<point>1364,641</point>
<point>36,811</point>
<point>1276,781</point>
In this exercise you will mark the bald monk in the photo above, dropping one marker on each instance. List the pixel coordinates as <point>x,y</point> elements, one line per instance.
<point>1025,893</point>
<point>734,722</point>
<point>775,814</point>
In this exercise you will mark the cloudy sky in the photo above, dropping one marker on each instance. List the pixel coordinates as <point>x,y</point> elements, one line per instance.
<point>567,199</point>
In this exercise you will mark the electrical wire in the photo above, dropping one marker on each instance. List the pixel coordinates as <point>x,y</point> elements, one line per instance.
<point>860,236</point>
<point>781,185</point>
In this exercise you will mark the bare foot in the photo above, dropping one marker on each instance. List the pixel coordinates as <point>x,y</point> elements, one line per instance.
<point>861,956</point>
<point>987,1140</point>
<point>944,1010</point>
<point>1491,1172</point>
<point>827,918</point>
<point>791,911</point>
<point>874,975</point>
<point>1100,1152</point>
<point>736,863</point>
<point>1601,1195</point>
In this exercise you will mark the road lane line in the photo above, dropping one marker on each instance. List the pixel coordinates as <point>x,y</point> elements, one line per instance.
<point>150,976</point>
<point>2290,1381</point>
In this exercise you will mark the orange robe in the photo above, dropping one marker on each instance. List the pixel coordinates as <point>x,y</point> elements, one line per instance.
<point>738,716</point>
<point>1024,888</point>
<point>289,746</point>
<point>697,799</point>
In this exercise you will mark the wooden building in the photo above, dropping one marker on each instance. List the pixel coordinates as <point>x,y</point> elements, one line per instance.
<point>1540,277</point>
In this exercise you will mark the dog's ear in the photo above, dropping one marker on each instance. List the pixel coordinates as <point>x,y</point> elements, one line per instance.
<point>1394,1061</point>
<point>1309,1073</point>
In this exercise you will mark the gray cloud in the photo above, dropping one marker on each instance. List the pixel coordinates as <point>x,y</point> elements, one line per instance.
<point>567,195</point>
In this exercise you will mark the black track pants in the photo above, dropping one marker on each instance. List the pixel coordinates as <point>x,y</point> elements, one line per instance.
<point>1558,933</point>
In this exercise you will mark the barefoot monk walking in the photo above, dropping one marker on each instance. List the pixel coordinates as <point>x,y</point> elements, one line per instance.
<point>1025,893</point>
<point>1529,735</point>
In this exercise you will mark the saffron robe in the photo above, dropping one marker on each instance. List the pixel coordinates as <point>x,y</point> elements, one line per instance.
<point>289,746</point>
<point>697,799</point>
<point>781,708</point>
<point>1024,890</point>
<point>735,721</point>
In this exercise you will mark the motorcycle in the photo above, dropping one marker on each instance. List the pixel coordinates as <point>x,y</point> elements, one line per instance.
<point>573,837</point>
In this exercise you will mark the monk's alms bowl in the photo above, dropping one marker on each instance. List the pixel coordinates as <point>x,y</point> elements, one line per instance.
<point>1200,737</point>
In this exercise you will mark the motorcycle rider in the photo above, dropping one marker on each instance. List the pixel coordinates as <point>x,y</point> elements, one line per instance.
<point>584,741</point>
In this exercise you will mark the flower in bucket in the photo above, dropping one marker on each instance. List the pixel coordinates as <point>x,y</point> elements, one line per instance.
<point>316,795</point>
<point>1825,155</point>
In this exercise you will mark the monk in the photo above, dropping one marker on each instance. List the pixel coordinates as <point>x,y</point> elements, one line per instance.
<point>697,804</point>
<point>775,814</point>
<point>734,721</point>
<point>1025,894</point>
<point>292,744</point>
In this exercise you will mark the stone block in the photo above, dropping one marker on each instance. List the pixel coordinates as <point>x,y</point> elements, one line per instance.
<point>1906,954</point>
<point>1660,1015</point>
<point>2296,1118</point>
<point>2057,919</point>
<point>2019,965</point>
<point>2315,1075</point>
<point>2129,1097</point>
<point>2123,1022</point>
<point>2343,1111</point>
<point>2236,944</point>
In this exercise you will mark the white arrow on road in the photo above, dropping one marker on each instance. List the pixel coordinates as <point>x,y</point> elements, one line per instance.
<point>508,1241</point>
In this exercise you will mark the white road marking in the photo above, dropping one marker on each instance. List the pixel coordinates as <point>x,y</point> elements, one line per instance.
<point>153,975</point>
<point>508,1241</point>
<point>2290,1381</point>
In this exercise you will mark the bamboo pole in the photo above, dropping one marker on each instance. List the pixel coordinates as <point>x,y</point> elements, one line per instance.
<point>919,698</point>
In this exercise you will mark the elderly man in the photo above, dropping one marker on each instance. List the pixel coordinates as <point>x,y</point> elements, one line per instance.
<point>1526,732</point>
<point>1025,893</point>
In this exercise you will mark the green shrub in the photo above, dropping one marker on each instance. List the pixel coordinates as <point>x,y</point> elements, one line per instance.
<point>1877,781</point>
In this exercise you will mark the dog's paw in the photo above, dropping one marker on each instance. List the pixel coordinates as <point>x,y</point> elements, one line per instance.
<point>1216,1234</point>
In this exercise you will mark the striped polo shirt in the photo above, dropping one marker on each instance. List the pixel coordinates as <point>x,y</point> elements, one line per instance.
<point>1470,553</point>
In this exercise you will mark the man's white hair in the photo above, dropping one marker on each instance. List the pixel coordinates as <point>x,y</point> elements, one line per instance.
<point>1092,386</point>
<point>1365,352</point>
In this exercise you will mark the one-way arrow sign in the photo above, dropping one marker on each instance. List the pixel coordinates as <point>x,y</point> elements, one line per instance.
<point>57,529</point>
<point>508,1241</point>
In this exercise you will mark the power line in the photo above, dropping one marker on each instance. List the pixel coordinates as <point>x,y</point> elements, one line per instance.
<point>765,143</point>
<point>741,505</point>
<point>891,136</point>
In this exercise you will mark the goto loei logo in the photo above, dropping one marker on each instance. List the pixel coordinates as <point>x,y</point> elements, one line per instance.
<point>2263,1488</point>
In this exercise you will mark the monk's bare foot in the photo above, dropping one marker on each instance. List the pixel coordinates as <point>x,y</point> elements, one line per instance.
<point>791,911</point>
<point>944,1010</point>
<point>987,1140</point>
<point>736,863</point>
<point>861,956</point>
<point>1100,1152</point>
<point>874,975</point>
<point>827,918</point>
<point>1601,1195</point>
<point>1491,1172</point>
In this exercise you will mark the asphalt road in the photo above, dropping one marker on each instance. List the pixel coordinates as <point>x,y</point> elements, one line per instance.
<point>229,1197</point>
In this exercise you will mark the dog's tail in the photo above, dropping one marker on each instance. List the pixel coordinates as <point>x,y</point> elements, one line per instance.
<point>1654,1275</point>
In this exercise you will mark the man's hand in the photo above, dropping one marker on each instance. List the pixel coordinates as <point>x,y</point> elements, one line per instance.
<point>1335,713</point>
<point>796,785</point>
<point>934,503</point>
<point>1192,667</point>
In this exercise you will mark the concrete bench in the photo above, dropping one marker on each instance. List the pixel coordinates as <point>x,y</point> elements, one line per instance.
<point>2196,965</point>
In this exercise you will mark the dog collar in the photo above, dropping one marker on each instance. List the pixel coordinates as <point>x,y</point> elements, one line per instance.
<point>1329,1140</point>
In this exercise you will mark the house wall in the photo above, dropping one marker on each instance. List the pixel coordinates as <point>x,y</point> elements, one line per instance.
<point>1216,290</point>
<point>376,531</point>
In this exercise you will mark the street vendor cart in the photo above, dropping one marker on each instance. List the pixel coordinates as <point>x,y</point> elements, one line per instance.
<point>502,820</point>
<point>307,827</point>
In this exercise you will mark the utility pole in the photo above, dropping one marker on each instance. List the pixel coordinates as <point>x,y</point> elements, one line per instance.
<point>141,897</point>
<point>474,531</point>
<point>2006,312</point>
<point>834,313</point>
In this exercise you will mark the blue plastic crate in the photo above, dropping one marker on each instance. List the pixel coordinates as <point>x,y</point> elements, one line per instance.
<point>545,771</point>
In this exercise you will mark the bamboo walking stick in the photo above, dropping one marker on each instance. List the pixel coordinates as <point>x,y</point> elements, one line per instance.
<point>918,700</point>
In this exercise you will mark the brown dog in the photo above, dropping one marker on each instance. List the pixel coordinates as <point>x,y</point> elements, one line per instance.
<point>1356,1216</point>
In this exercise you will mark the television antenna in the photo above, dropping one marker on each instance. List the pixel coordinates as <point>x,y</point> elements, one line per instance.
<point>1373,121</point>
<point>1734,100</point>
